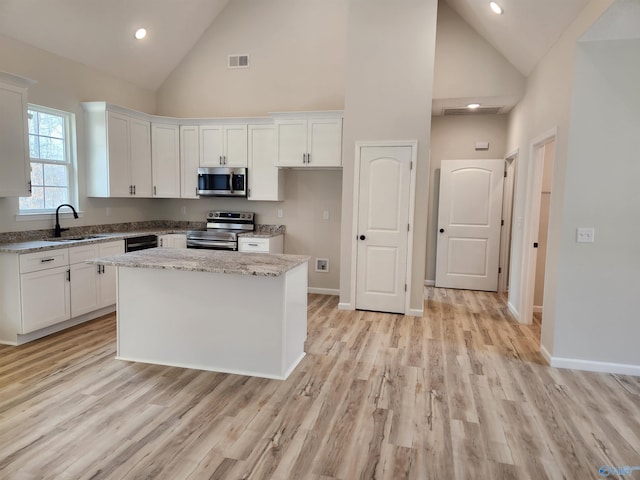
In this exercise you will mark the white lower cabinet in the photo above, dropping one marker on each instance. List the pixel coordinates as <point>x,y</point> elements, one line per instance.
<point>42,289</point>
<point>172,240</point>
<point>45,298</point>
<point>273,244</point>
<point>92,286</point>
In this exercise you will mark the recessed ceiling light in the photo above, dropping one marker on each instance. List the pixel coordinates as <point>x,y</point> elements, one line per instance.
<point>140,33</point>
<point>473,105</point>
<point>496,8</point>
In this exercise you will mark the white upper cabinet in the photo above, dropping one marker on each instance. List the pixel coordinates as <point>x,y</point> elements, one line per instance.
<point>265,179</point>
<point>309,140</point>
<point>189,160</point>
<point>15,171</point>
<point>223,145</point>
<point>119,147</point>
<point>165,160</point>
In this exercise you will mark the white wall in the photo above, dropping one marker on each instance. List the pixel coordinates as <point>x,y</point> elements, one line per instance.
<point>388,98</point>
<point>596,311</point>
<point>63,84</point>
<point>453,138</point>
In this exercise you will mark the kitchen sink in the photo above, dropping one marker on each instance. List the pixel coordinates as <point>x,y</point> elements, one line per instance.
<point>75,239</point>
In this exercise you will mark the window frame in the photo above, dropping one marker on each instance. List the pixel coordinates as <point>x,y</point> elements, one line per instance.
<point>70,162</point>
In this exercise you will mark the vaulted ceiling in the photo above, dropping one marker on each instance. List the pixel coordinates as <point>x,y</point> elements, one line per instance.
<point>99,33</point>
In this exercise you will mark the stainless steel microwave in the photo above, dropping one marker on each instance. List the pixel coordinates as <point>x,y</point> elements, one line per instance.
<point>222,182</point>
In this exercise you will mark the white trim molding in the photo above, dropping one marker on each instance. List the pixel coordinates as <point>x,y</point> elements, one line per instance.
<point>594,366</point>
<point>415,312</point>
<point>346,306</point>
<point>429,283</point>
<point>324,291</point>
<point>513,311</point>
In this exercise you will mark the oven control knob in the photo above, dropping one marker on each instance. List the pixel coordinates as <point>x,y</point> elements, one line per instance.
<point>217,214</point>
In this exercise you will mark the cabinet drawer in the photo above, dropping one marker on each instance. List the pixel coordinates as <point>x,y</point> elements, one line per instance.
<point>83,252</point>
<point>33,262</point>
<point>253,244</point>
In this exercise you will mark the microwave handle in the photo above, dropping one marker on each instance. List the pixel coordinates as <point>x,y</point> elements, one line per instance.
<point>231,182</point>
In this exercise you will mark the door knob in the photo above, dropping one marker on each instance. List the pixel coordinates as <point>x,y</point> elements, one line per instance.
<point>362,237</point>
<point>442,230</point>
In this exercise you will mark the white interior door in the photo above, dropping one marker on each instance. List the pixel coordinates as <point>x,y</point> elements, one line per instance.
<point>469,219</point>
<point>383,220</point>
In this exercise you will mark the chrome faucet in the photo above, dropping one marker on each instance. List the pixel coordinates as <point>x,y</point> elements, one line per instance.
<point>58,231</point>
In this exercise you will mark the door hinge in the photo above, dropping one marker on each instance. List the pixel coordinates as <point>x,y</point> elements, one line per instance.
<point>405,287</point>
<point>501,223</point>
<point>411,165</point>
<point>535,244</point>
<point>408,227</point>
<point>499,269</point>
<point>505,174</point>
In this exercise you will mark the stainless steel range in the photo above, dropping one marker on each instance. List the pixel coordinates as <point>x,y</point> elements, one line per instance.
<point>222,230</point>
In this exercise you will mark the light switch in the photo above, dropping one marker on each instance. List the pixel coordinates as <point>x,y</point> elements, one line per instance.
<point>325,215</point>
<point>280,213</point>
<point>585,235</point>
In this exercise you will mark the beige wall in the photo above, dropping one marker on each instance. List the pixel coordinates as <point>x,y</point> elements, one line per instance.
<point>308,193</point>
<point>63,84</point>
<point>297,51</point>
<point>467,66</point>
<point>453,138</point>
<point>388,98</point>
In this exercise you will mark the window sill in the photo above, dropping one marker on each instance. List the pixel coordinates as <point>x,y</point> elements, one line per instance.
<point>36,217</point>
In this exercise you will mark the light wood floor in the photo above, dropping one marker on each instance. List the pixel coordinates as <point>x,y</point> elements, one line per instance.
<point>461,393</point>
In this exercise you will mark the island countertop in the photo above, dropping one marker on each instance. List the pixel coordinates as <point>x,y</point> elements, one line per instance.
<point>213,261</point>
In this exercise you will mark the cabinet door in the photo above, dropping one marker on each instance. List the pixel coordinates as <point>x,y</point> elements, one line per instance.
<point>189,160</point>
<point>45,298</point>
<point>265,179</point>
<point>84,288</point>
<point>292,142</point>
<point>119,152</point>
<point>235,146</point>
<point>140,148</point>
<point>325,143</point>
<point>107,279</point>
<point>165,160</point>
<point>14,164</point>
<point>211,145</point>
<point>179,240</point>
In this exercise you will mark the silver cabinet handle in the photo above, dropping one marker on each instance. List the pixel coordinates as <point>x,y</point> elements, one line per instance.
<point>308,158</point>
<point>252,244</point>
<point>45,260</point>
<point>154,190</point>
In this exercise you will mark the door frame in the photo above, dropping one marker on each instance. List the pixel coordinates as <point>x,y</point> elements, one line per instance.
<point>356,201</point>
<point>506,235</point>
<point>531,221</point>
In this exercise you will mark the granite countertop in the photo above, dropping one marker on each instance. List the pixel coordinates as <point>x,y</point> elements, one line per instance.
<point>265,231</point>
<point>213,261</point>
<point>65,242</point>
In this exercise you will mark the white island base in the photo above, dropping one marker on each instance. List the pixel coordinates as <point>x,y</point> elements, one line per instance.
<point>243,324</point>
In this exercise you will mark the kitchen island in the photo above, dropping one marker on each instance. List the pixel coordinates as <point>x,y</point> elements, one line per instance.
<point>242,313</point>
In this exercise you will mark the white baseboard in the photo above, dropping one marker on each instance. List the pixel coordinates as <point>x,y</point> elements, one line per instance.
<point>429,283</point>
<point>324,291</point>
<point>537,309</point>
<point>513,311</point>
<point>415,312</point>
<point>592,366</point>
<point>545,353</point>
<point>346,306</point>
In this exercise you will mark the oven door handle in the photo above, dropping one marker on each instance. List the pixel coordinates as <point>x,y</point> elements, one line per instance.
<point>212,245</point>
<point>231,182</point>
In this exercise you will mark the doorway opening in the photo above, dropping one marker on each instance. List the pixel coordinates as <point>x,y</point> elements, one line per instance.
<point>536,223</point>
<point>507,221</point>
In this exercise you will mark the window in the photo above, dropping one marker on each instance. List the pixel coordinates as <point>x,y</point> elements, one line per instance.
<point>53,176</point>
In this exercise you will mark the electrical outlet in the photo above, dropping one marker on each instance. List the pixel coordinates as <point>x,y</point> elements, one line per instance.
<point>322,265</point>
<point>585,235</point>
<point>184,210</point>
<point>108,212</point>
<point>280,213</point>
<point>325,215</point>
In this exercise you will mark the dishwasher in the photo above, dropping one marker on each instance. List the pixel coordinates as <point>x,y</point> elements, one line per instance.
<point>141,242</point>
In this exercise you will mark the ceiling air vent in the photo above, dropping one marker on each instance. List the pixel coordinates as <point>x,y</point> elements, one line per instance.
<point>470,111</point>
<point>238,61</point>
